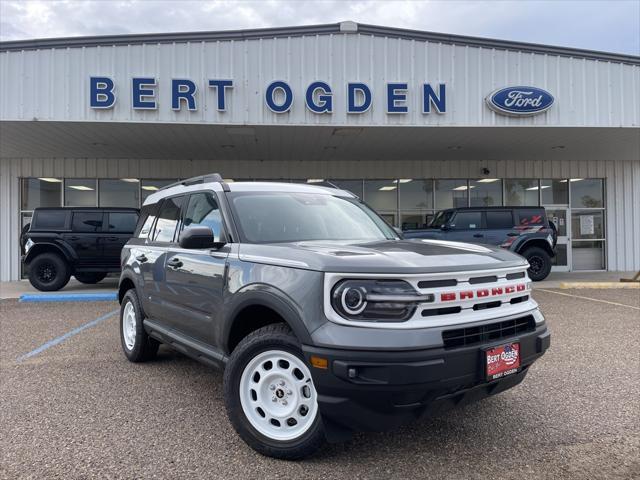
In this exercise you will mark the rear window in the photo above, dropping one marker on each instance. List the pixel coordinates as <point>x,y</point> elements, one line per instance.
<point>50,219</point>
<point>499,220</point>
<point>527,217</point>
<point>89,222</point>
<point>122,222</point>
<point>167,220</point>
<point>145,221</point>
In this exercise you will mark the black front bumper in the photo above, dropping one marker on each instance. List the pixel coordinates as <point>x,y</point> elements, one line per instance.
<point>379,390</point>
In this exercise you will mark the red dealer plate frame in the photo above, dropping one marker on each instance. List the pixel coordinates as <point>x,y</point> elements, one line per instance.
<point>502,360</point>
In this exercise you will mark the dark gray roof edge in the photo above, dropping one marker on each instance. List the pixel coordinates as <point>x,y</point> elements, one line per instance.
<point>225,35</point>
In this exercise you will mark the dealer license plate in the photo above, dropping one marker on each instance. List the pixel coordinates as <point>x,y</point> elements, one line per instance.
<point>503,360</point>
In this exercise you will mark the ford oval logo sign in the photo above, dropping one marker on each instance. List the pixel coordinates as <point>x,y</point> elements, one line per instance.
<point>519,101</point>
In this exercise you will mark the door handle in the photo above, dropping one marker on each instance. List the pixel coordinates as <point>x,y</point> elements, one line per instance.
<point>174,263</point>
<point>112,239</point>
<point>512,234</point>
<point>141,258</point>
<point>478,235</point>
<point>74,238</point>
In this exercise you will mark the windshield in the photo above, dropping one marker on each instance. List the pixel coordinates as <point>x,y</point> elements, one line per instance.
<point>441,218</point>
<point>267,217</point>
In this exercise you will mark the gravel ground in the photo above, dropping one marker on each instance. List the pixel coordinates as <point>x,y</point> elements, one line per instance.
<point>80,410</point>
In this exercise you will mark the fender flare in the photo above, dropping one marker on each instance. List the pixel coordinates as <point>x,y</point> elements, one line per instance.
<point>520,247</point>
<point>127,274</point>
<point>269,297</point>
<point>38,246</point>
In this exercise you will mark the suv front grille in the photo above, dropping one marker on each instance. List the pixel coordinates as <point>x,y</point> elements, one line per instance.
<point>461,337</point>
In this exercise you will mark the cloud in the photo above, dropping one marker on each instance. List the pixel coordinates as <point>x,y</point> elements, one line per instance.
<point>612,25</point>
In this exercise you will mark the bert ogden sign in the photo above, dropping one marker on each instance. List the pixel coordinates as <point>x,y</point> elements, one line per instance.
<point>278,95</point>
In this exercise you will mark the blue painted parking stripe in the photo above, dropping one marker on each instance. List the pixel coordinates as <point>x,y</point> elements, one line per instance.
<point>62,338</point>
<point>68,297</point>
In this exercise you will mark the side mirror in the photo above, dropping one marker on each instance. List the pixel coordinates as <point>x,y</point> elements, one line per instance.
<point>445,227</point>
<point>398,231</point>
<point>200,237</point>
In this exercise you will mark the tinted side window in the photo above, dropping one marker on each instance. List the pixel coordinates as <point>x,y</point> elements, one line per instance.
<point>467,221</point>
<point>122,222</point>
<point>86,222</point>
<point>499,220</point>
<point>533,216</point>
<point>167,220</point>
<point>50,219</point>
<point>203,211</point>
<point>145,222</point>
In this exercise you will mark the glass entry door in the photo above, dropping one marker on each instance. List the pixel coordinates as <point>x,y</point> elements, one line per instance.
<point>559,216</point>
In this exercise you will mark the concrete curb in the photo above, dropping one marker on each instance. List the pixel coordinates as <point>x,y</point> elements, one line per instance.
<point>599,285</point>
<point>69,297</point>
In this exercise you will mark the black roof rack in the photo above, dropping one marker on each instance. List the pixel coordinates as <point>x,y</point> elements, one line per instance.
<point>209,178</point>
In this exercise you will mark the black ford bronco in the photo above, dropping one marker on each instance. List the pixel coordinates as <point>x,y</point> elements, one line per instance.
<point>324,321</point>
<point>80,241</point>
<point>523,230</point>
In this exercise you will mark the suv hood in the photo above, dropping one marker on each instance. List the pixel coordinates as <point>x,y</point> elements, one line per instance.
<point>389,256</point>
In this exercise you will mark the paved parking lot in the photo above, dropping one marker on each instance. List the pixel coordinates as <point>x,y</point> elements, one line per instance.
<point>79,410</point>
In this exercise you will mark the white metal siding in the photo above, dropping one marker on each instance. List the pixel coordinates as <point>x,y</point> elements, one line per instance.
<point>52,84</point>
<point>622,181</point>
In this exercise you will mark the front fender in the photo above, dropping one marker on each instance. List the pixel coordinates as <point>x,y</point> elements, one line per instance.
<point>270,297</point>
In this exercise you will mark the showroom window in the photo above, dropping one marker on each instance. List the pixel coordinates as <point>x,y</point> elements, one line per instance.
<point>353,186</point>
<point>486,192</point>
<point>450,194</point>
<point>382,196</point>
<point>577,205</point>
<point>586,193</point>
<point>151,186</point>
<point>41,192</point>
<point>124,192</point>
<point>416,203</point>
<point>521,192</point>
<point>80,192</point>
<point>554,192</point>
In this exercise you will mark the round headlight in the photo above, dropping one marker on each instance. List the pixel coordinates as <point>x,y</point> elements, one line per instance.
<point>353,300</point>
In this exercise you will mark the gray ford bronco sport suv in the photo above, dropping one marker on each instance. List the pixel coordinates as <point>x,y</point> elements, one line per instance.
<point>324,320</point>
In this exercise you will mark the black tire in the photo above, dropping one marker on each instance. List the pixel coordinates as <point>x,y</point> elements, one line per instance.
<point>539,263</point>
<point>89,277</point>
<point>272,337</point>
<point>144,347</point>
<point>48,272</point>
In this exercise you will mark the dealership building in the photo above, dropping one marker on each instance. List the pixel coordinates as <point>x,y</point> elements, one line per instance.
<point>410,121</point>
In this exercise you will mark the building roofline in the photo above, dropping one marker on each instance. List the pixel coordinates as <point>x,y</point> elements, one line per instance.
<point>325,29</point>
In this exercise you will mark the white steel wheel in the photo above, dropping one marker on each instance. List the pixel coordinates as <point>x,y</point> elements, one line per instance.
<point>277,395</point>
<point>129,325</point>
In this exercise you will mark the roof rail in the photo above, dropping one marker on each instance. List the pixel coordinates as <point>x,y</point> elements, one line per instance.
<point>209,178</point>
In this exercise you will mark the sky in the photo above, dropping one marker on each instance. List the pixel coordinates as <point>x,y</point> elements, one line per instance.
<point>606,25</point>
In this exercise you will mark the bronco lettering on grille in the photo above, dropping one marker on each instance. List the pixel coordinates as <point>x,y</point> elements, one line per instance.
<point>481,293</point>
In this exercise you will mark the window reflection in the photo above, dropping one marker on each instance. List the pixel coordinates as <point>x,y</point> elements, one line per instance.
<point>586,193</point>
<point>151,186</point>
<point>521,192</point>
<point>119,193</point>
<point>41,192</point>
<point>450,193</point>
<point>486,192</point>
<point>80,192</point>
